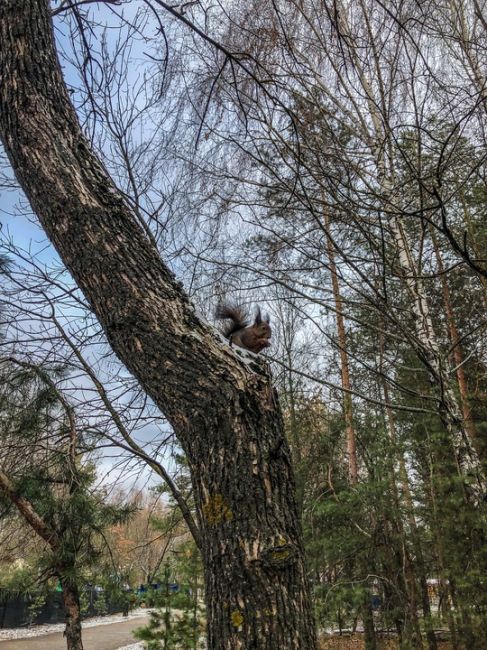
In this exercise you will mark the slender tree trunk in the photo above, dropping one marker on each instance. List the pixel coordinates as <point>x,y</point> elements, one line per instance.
<point>220,403</point>
<point>428,348</point>
<point>367,614</point>
<point>344,366</point>
<point>48,533</point>
<point>72,614</point>
<point>457,351</point>
<point>370,637</point>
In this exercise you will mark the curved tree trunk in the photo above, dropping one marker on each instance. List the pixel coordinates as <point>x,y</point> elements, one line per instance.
<point>222,406</point>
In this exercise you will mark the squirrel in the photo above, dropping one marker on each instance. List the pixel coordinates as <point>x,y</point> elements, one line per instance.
<point>253,337</point>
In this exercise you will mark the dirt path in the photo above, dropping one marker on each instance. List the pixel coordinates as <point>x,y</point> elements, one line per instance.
<point>99,637</point>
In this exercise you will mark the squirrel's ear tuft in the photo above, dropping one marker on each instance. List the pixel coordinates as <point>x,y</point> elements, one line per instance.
<point>258,317</point>
<point>267,319</point>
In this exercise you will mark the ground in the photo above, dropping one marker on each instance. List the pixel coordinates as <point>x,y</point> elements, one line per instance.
<point>114,633</point>
<point>356,642</point>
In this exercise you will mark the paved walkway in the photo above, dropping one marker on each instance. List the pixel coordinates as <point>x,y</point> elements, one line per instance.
<point>99,637</point>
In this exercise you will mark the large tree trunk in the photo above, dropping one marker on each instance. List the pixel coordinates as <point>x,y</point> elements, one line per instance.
<point>223,408</point>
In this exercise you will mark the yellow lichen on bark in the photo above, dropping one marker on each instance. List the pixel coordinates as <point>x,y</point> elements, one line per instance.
<point>216,510</point>
<point>237,618</point>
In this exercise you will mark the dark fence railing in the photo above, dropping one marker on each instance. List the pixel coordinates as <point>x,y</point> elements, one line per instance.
<point>20,611</point>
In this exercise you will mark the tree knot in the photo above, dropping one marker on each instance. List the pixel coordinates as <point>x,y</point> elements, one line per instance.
<point>279,556</point>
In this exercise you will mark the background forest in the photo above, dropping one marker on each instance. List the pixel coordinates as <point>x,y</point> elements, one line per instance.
<point>325,160</point>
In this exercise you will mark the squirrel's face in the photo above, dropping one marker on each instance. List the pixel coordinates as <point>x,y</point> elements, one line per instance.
<point>262,329</point>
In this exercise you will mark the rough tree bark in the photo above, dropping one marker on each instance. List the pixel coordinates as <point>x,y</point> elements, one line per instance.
<point>72,614</point>
<point>222,406</point>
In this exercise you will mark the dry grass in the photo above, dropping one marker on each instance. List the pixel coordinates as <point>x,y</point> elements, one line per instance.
<point>356,642</point>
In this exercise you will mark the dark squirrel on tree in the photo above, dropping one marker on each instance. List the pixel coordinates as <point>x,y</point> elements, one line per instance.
<point>253,337</point>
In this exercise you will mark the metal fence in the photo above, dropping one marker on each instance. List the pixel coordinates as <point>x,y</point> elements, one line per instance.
<point>20,611</point>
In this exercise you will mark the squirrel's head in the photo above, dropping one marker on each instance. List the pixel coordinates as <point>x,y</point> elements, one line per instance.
<point>262,326</point>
